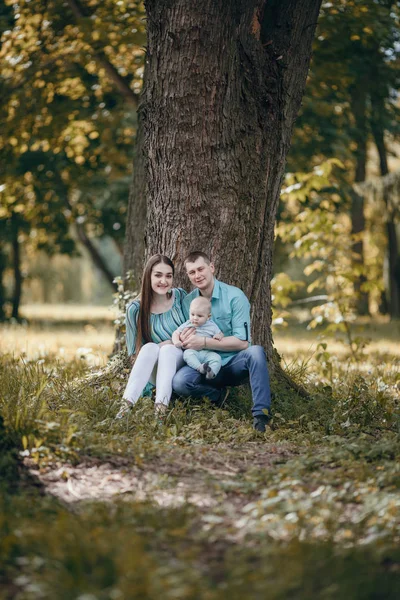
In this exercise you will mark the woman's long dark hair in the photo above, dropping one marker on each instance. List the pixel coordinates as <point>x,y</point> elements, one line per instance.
<point>146,296</point>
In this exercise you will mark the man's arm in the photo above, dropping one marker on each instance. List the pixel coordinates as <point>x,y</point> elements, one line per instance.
<point>227,344</point>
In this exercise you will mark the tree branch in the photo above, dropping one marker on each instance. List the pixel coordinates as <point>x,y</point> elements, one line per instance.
<point>120,82</point>
<point>95,254</point>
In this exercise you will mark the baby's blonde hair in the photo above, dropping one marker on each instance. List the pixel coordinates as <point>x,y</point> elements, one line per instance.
<point>202,303</point>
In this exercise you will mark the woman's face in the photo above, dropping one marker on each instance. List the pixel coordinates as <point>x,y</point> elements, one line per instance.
<point>161,279</point>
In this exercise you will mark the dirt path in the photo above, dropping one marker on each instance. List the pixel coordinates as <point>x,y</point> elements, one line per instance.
<point>203,477</point>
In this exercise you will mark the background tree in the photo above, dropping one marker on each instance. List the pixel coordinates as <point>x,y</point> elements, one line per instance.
<point>351,102</point>
<point>70,81</point>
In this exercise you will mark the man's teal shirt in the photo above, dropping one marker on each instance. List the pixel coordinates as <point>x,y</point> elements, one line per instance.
<point>230,310</point>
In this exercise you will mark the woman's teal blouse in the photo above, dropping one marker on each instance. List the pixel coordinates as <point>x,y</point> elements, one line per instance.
<point>162,325</point>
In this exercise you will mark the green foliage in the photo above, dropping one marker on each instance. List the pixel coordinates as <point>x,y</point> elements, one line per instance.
<point>319,493</point>
<point>67,131</point>
<point>124,295</point>
<point>282,289</point>
<point>8,458</point>
<point>318,228</point>
<point>355,51</point>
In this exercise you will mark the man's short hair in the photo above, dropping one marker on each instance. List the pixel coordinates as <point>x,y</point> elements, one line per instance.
<point>193,256</point>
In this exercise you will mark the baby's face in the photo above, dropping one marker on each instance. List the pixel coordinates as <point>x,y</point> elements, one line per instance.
<point>198,316</point>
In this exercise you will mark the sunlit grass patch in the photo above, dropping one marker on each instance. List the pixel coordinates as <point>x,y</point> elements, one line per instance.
<point>89,343</point>
<point>68,313</point>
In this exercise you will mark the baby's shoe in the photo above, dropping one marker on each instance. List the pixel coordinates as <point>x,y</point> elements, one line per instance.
<point>203,368</point>
<point>210,373</point>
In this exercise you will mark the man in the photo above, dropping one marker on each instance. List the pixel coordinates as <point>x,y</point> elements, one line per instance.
<point>230,309</point>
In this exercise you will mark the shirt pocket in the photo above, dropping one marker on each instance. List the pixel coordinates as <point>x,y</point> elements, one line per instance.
<point>225,325</point>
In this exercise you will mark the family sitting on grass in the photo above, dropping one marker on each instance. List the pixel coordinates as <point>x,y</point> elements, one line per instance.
<point>194,344</point>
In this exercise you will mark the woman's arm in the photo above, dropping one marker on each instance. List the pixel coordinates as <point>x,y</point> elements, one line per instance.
<point>132,313</point>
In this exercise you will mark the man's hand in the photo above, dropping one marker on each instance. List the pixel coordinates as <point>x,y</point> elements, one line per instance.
<point>194,342</point>
<point>218,336</point>
<point>187,333</point>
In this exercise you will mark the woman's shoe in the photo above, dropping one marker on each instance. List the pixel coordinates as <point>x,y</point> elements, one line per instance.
<point>124,410</point>
<point>160,411</point>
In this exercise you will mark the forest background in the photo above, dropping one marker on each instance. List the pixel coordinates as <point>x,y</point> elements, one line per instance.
<point>71,77</point>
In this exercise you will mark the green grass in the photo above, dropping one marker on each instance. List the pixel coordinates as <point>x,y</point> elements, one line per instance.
<point>200,506</point>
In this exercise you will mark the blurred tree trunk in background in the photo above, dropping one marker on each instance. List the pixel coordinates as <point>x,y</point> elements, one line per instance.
<point>3,264</point>
<point>136,217</point>
<point>359,110</point>
<point>95,255</point>
<point>378,129</point>
<point>16,249</point>
<point>224,82</point>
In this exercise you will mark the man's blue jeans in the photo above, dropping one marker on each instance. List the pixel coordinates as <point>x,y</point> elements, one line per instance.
<point>250,364</point>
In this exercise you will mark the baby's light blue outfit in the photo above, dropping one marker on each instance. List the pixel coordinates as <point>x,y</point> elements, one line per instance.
<point>195,358</point>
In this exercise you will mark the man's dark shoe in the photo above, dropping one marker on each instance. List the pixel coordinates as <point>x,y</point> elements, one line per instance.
<point>260,422</point>
<point>223,396</point>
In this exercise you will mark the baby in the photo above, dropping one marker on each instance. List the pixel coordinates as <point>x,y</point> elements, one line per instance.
<point>206,362</point>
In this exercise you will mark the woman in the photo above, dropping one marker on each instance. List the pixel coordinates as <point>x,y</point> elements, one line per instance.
<point>150,323</point>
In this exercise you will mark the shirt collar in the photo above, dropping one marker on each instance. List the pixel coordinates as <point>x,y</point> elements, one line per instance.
<point>216,289</point>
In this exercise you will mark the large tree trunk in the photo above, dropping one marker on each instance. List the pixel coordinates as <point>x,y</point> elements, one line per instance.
<point>359,110</point>
<point>224,84</point>
<point>377,127</point>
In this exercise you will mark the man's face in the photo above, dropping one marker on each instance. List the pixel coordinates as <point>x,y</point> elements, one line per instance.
<point>200,273</point>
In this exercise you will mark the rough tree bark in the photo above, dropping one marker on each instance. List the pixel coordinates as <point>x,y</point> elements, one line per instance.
<point>224,82</point>
<point>393,246</point>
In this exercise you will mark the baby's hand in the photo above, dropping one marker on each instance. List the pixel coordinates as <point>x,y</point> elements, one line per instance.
<point>178,344</point>
<point>218,336</point>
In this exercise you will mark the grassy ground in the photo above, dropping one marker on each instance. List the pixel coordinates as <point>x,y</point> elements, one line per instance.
<point>200,506</point>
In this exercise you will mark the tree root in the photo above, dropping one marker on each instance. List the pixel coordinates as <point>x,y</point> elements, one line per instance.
<point>114,374</point>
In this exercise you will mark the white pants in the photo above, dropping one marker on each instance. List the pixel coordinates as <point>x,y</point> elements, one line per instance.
<point>157,364</point>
